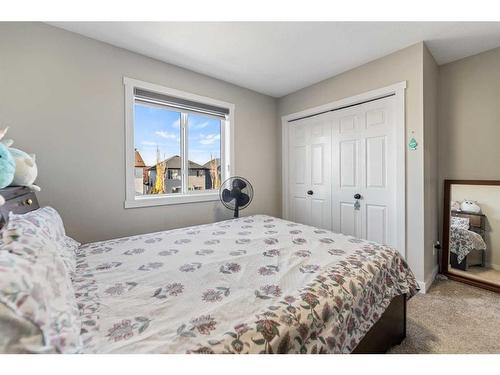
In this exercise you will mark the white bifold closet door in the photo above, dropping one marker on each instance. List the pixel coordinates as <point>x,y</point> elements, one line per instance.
<point>364,163</point>
<point>310,169</point>
<point>338,156</point>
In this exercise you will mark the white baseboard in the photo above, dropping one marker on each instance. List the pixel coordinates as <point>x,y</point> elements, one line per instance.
<point>425,285</point>
<point>421,286</point>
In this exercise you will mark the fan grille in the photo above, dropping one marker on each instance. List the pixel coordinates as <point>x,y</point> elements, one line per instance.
<point>231,188</point>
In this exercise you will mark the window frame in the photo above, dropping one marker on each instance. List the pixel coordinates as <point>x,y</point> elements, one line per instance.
<point>227,147</point>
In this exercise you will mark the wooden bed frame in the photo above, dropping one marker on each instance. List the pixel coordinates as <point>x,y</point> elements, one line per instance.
<point>390,329</point>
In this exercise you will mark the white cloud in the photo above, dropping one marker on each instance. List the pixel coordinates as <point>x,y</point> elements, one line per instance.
<point>148,143</point>
<point>176,124</point>
<point>202,125</point>
<point>165,134</point>
<point>210,139</point>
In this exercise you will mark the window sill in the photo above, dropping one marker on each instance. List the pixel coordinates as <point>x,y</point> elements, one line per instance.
<point>151,201</point>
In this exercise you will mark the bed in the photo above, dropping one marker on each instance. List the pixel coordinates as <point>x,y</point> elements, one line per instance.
<point>257,284</point>
<point>252,285</point>
<point>464,241</point>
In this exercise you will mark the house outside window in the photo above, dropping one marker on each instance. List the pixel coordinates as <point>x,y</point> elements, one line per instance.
<point>178,145</point>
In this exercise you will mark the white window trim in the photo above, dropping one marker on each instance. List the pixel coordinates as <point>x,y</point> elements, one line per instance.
<point>227,145</point>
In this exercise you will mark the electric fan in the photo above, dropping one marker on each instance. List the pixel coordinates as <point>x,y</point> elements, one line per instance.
<point>236,193</point>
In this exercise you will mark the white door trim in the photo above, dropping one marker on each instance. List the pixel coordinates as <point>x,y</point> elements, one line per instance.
<point>398,89</point>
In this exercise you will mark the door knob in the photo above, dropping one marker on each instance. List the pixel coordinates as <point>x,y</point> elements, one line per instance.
<point>357,196</point>
<point>310,192</point>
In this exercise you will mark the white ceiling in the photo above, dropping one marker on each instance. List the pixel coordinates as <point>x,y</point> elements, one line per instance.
<point>277,58</point>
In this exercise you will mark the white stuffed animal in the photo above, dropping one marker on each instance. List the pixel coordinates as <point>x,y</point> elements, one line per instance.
<point>470,206</point>
<point>26,169</point>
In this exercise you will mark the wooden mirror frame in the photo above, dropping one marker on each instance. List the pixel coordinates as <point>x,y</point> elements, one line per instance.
<point>445,254</point>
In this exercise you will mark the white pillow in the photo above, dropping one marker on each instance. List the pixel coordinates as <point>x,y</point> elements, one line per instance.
<point>26,233</point>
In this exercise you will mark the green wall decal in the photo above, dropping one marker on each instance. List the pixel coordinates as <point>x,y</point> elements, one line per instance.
<point>413,144</point>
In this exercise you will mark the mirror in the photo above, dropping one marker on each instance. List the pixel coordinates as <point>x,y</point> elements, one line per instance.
<point>471,232</point>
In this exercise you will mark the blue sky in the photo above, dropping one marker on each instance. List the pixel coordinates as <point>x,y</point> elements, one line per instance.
<point>156,126</point>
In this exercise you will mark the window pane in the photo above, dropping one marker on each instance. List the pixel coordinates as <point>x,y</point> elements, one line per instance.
<point>204,152</point>
<point>157,150</point>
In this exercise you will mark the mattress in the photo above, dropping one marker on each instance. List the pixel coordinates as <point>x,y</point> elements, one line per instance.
<point>257,284</point>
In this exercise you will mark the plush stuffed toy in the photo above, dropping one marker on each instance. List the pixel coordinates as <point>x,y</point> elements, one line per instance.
<point>7,165</point>
<point>470,206</point>
<point>26,170</point>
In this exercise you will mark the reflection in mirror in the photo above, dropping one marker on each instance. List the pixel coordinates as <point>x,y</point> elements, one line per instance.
<point>474,233</point>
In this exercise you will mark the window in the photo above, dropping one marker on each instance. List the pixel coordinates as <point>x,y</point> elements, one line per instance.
<point>204,152</point>
<point>178,147</point>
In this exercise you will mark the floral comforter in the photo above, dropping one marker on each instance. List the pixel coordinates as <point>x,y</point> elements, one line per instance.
<point>251,285</point>
<point>463,241</point>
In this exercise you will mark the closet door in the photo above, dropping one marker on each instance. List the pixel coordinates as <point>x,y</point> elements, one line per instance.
<point>348,153</point>
<point>364,172</point>
<point>310,171</point>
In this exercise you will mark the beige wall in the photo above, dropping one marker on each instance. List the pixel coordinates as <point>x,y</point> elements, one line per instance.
<point>406,64</point>
<point>431,227</point>
<point>469,119</point>
<point>63,96</point>
<point>488,198</point>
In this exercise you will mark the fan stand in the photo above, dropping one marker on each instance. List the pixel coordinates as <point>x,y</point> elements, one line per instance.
<point>236,210</point>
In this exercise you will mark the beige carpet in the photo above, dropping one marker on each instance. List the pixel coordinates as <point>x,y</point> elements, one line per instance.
<point>452,318</point>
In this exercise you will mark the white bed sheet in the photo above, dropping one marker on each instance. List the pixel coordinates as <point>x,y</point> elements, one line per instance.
<point>250,285</point>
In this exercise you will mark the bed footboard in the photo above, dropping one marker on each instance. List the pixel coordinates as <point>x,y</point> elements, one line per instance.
<point>389,330</point>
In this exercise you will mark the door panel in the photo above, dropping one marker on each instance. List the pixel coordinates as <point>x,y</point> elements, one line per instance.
<point>348,163</point>
<point>310,171</point>
<point>317,127</point>
<point>375,162</point>
<point>375,117</point>
<point>379,188</point>
<point>349,219</point>
<point>300,211</point>
<point>317,164</point>
<point>299,157</point>
<point>320,143</point>
<point>364,163</point>
<point>376,223</point>
<point>347,149</point>
<point>348,124</point>
<point>319,209</point>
